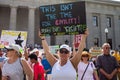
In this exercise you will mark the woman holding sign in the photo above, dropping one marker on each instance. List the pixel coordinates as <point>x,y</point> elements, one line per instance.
<point>64,68</point>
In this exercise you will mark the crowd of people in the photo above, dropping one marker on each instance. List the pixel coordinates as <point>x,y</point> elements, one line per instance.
<point>24,64</point>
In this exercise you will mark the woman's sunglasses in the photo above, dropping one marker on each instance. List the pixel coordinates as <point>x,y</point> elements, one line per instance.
<point>85,55</point>
<point>64,51</point>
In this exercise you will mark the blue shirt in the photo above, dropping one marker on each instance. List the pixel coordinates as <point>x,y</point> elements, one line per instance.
<point>46,65</point>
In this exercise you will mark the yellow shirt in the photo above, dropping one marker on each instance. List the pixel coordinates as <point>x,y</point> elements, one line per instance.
<point>117,56</point>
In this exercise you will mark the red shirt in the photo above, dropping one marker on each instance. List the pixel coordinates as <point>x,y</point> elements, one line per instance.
<point>38,69</point>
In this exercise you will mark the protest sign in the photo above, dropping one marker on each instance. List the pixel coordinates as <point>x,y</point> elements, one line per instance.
<point>63,19</point>
<point>13,37</point>
<point>54,48</point>
<point>77,39</point>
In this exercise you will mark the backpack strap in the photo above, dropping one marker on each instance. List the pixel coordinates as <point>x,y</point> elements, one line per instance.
<point>20,62</point>
<point>23,69</point>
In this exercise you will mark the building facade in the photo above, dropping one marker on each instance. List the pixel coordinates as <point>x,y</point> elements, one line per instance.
<point>102,15</point>
<point>23,15</point>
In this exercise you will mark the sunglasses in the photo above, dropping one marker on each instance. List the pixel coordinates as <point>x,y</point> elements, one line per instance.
<point>85,55</point>
<point>64,51</point>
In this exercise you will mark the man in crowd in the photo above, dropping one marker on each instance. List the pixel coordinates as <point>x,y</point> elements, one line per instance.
<point>37,67</point>
<point>107,64</point>
<point>46,66</point>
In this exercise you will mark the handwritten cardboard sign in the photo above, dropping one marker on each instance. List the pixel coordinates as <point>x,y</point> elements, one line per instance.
<point>63,19</point>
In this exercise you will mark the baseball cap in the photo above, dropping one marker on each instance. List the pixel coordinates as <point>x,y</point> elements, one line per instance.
<point>14,46</point>
<point>65,47</point>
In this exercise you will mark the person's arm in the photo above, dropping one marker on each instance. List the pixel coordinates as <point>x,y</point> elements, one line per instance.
<point>116,64</point>
<point>47,70</point>
<point>114,72</point>
<point>27,69</point>
<point>95,75</point>
<point>105,74</point>
<point>76,58</point>
<point>5,78</point>
<point>74,51</point>
<point>26,52</point>
<point>51,59</point>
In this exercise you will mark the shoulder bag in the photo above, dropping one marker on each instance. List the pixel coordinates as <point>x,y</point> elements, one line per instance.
<point>84,72</point>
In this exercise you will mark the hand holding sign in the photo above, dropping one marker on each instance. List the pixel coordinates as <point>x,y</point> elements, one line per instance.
<point>42,37</point>
<point>86,32</point>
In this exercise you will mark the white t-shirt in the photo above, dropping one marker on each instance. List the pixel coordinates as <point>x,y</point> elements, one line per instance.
<point>14,70</point>
<point>89,72</point>
<point>66,72</point>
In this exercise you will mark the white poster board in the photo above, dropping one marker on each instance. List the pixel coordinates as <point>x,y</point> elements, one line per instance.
<point>54,48</point>
<point>13,37</point>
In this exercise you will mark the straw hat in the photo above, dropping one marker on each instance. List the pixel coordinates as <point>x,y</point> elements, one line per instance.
<point>86,53</point>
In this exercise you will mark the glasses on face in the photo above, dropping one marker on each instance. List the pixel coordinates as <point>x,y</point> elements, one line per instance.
<point>85,55</point>
<point>64,51</point>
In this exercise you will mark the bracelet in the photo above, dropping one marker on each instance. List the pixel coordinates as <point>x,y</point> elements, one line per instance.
<point>43,39</point>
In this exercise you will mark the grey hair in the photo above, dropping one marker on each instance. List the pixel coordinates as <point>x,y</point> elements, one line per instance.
<point>105,44</point>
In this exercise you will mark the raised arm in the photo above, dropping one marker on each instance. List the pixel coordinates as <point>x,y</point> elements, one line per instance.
<point>74,51</point>
<point>27,69</point>
<point>51,59</point>
<point>76,58</point>
<point>26,53</point>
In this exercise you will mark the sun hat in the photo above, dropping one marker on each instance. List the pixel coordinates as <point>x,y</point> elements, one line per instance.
<point>65,46</point>
<point>85,53</point>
